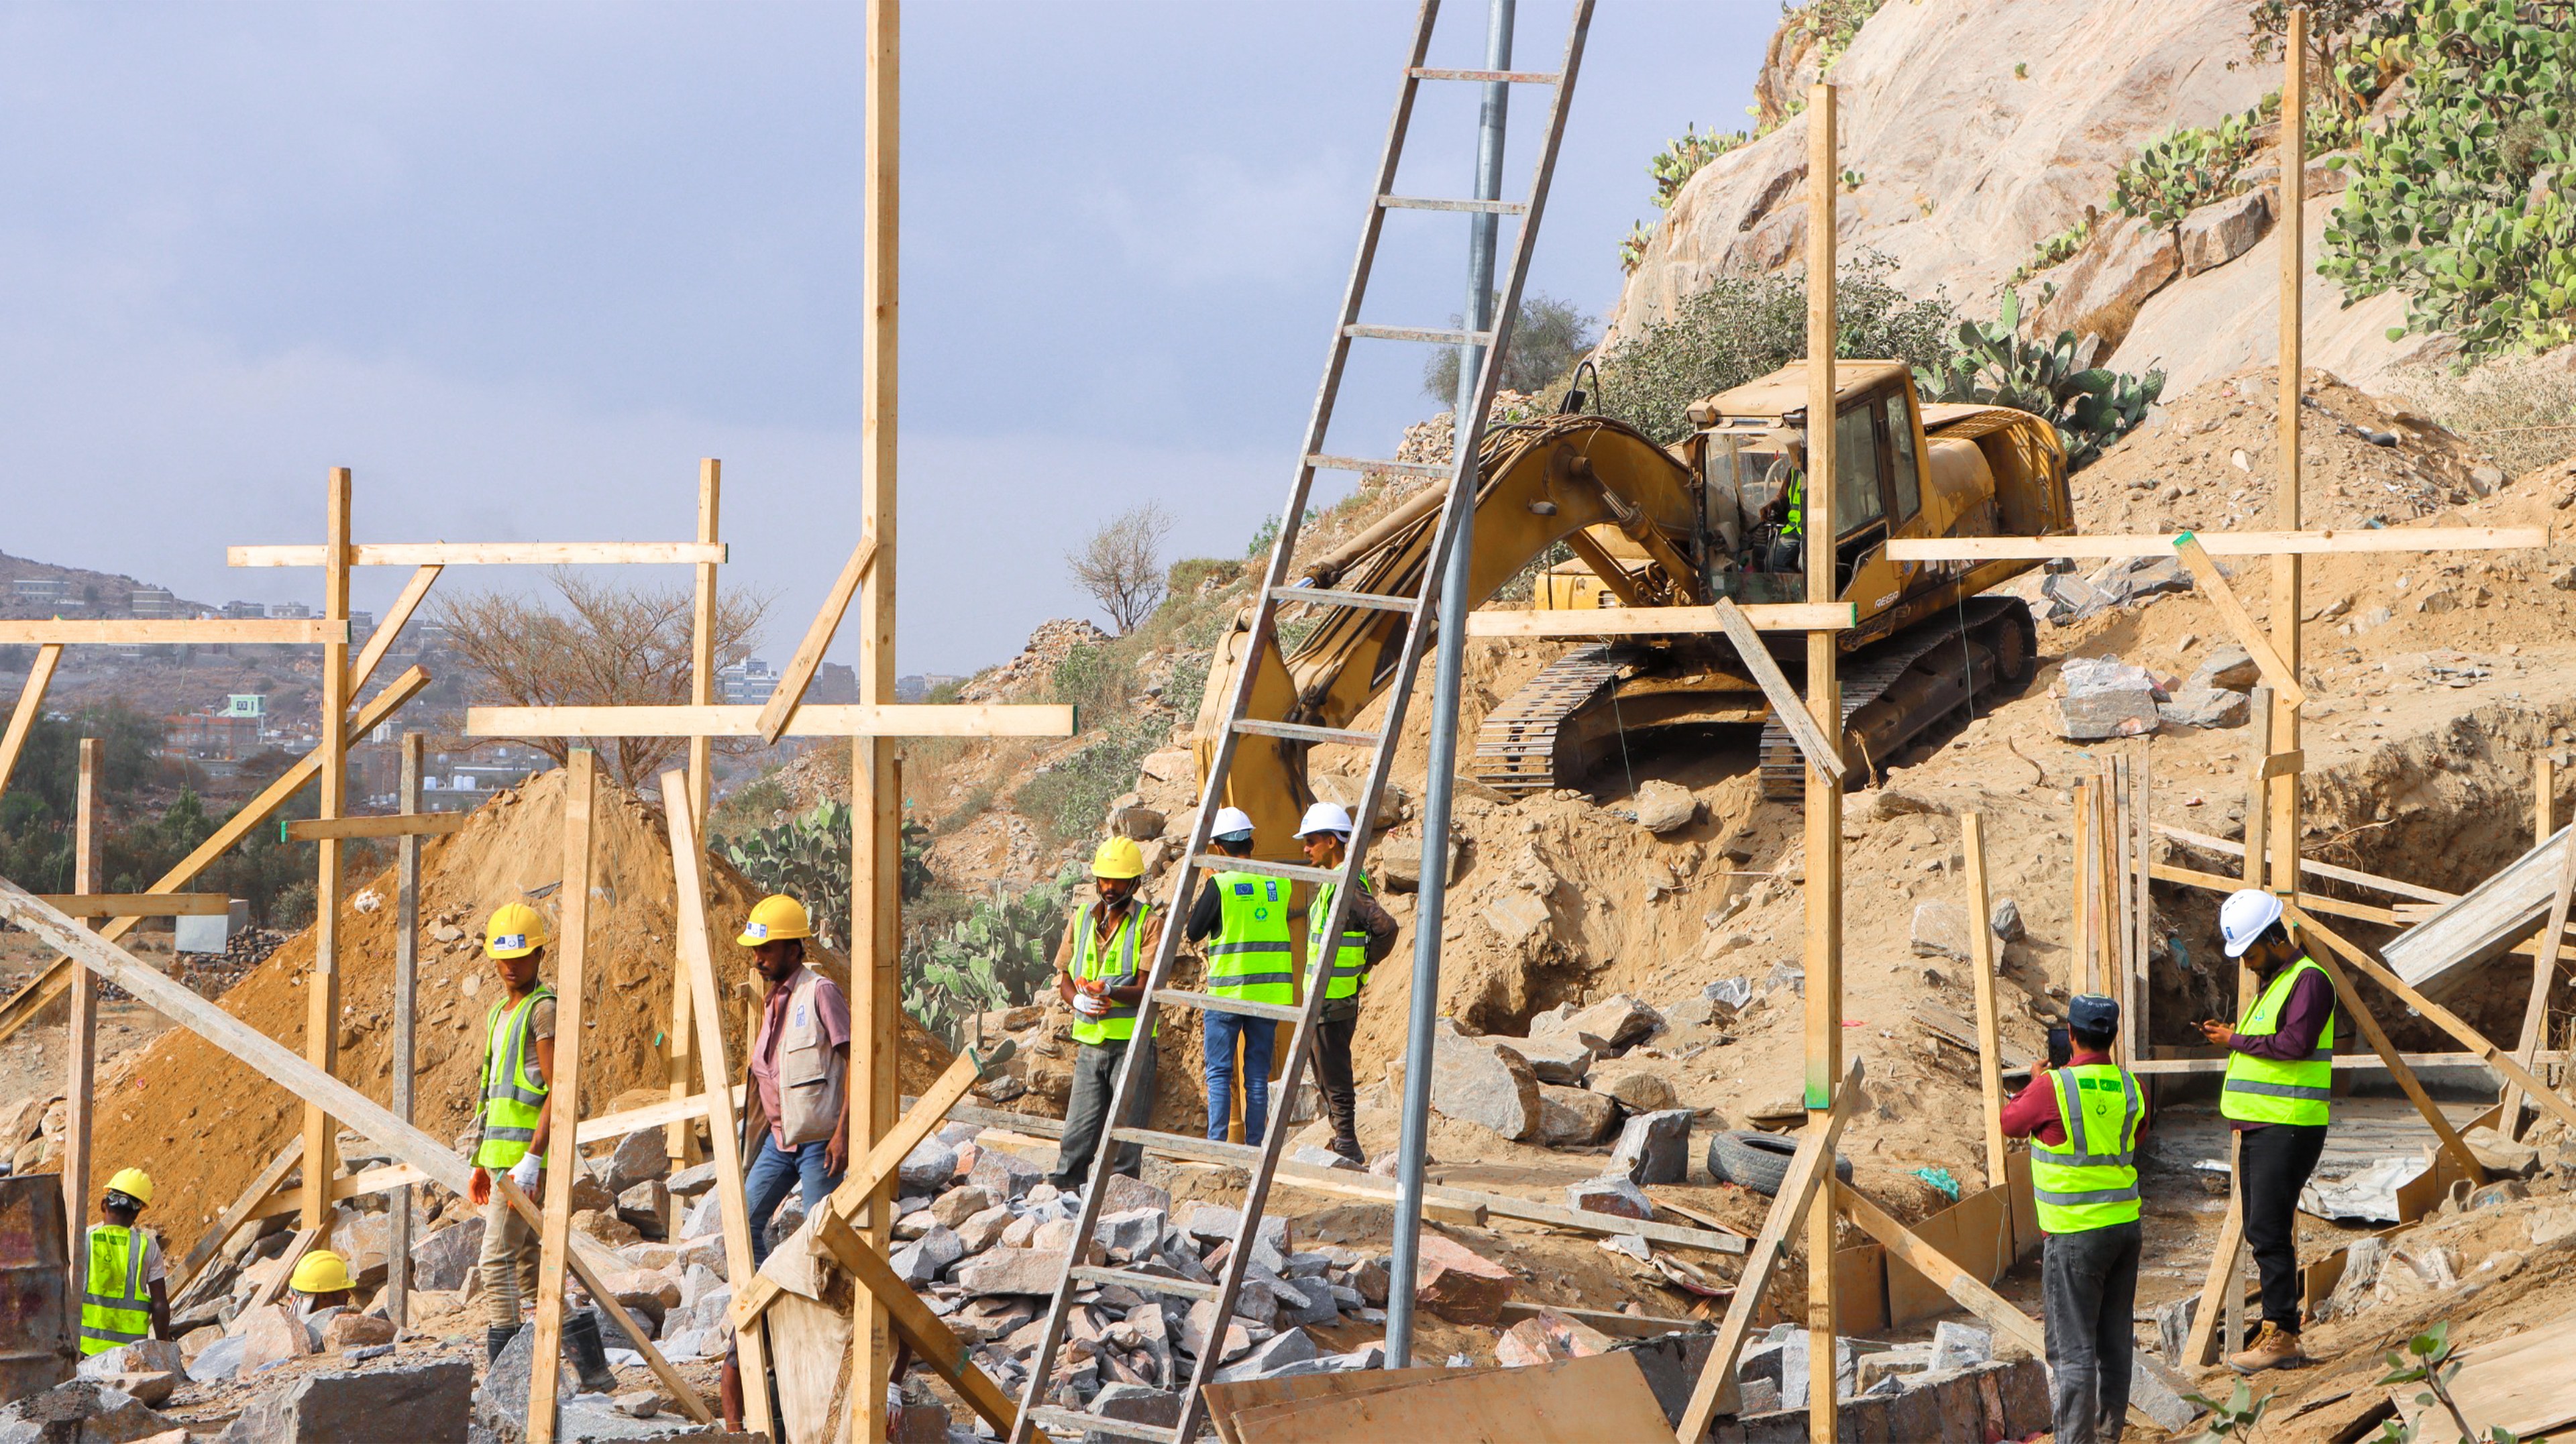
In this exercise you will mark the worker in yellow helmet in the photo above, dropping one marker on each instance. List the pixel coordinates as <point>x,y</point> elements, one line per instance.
<point>321,1279</point>
<point>1109,946</point>
<point>124,1294</point>
<point>799,1070</point>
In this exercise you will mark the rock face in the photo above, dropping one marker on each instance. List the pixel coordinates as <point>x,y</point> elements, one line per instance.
<point>1476,1081</point>
<point>2100,290</point>
<point>2221,231</point>
<point>429,1400</point>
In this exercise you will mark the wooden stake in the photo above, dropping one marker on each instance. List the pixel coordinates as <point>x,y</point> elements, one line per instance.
<point>322,990</point>
<point>81,1076</point>
<point>1981,962</point>
<point>2547,949</point>
<point>2222,1295</point>
<point>406,1019</point>
<point>563,1092</point>
<point>2112,918</point>
<point>1824,942</point>
<point>2079,967</point>
<point>31,705</point>
<point>681,1142</point>
<point>2134,1005</point>
<point>2287,597</point>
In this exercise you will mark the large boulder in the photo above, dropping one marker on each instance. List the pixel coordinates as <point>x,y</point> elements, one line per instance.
<point>1654,1147</point>
<point>1940,930</point>
<point>1458,1284</point>
<point>1557,1057</point>
<point>428,1399</point>
<point>1475,1081</point>
<point>2229,666</point>
<point>2104,697</point>
<point>2220,231</point>
<point>1664,807</point>
<point>446,1259</point>
<point>82,1411</point>
<point>1574,1117</point>
<point>641,1155</point>
<point>2100,290</point>
<point>1613,1023</point>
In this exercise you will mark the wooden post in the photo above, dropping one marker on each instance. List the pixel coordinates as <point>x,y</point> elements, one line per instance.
<point>563,1093</point>
<point>81,1077</point>
<point>2135,1042</point>
<point>681,1142</point>
<point>2108,823</point>
<point>876,814</point>
<point>1824,941</point>
<point>2079,966</point>
<point>1981,962</point>
<point>406,1009</point>
<point>2546,948</point>
<point>2286,594</point>
<point>30,706</point>
<point>322,993</point>
<point>2222,1295</point>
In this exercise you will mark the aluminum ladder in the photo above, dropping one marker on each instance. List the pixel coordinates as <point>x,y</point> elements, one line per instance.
<point>1261,1160</point>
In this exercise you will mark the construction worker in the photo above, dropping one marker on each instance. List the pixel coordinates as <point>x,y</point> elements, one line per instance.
<point>322,1279</point>
<point>2083,1120</point>
<point>1341,970</point>
<point>2278,1095</point>
<point>124,1294</point>
<point>1101,967</point>
<point>1787,508</point>
<point>1247,912</point>
<point>518,1066</point>
<point>799,1069</point>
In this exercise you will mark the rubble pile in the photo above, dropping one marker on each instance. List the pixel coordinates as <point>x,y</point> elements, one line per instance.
<point>1027,675</point>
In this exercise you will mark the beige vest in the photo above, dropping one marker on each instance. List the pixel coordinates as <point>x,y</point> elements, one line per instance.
<point>812,1078</point>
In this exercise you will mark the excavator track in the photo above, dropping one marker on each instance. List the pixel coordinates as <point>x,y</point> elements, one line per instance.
<point>1517,747</point>
<point>1878,668</point>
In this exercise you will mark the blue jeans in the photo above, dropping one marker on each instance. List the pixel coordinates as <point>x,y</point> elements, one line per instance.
<point>1259,1036</point>
<point>773,1171</point>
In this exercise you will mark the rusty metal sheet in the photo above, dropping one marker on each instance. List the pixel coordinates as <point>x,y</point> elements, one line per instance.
<point>35,1287</point>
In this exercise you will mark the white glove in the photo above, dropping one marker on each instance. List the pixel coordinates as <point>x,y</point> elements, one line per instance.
<point>524,1173</point>
<point>1089,1006</point>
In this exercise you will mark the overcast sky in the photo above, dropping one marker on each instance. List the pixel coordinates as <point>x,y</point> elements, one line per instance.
<point>520,266</point>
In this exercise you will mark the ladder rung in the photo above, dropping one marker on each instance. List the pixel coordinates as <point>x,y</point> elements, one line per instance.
<point>1512,77</point>
<point>1176,1145</point>
<point>1073,1424</point>
<point>1219,862</point>
<point>1300,732</point>
<point>1326,596</point>
<point>1402,468</point>
<point>1437,337</point>
<point>1428,203</point>
<point>1211,1003</point>
<point>1145,1283</point>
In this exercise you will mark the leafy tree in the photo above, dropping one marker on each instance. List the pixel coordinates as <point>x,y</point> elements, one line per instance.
<point>1548,337</point>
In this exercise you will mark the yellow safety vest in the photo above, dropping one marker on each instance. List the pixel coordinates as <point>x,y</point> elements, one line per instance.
<point>513,1098</point>
<point>1114,964</point>
<point>1793,521</point>
<point>2091,1180</point>
<point>1249,958</point>
<point>113,1320</point>
<point>1350,961</point>
<point>2261,1090</point>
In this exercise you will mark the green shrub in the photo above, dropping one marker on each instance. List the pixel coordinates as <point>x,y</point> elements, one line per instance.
<point>1995,365</point>
<point>1833,24</point>
<point>2051,250</point>
<point>1097,678</point>
<point>808,858</point>
<point>1068,797</point>
<point>1550,336</point>
<point>1680,159</point>
<point>2186,168</point>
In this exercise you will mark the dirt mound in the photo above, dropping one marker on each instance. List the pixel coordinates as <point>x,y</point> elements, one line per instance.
<point>203,1124</point>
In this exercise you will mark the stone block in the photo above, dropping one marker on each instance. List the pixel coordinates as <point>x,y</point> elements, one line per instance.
<point>1664,807</point>
<point>2227,666</point>
<point>1654,1147</point>
<point>1556,1057</point>
<point>1013,1271</point>
<point>641,1155</point>
<point>1130,1234</point>
<point>1295,1346</point>
<point>1458,1284</point>
<point>1612,1193</point>
<point>1519,919</point>
<point>1940,930</point>
<point>1004,1175</point>
<point>432,1399</point>
<point>445,1259</point>
<point>1198,1329</point>
<point>1957,1346</point>
<point>2102,698</point>
<point>690,1182</point>
<point>1574,1117</point>
<point>643,1205</point>
<point>2204,707</point>
<point>2221,231</point>
<point>88,1411</point>
<point>2004,920</point>
<point>218,1361</point>
<point>1138,1404</point>
<point>1639,1090</point>
<point>960,1204</point>
<point>144,1356</point>
<point>355,1331</point>
<point>1614,1022</point>
<point>1474,1081</point>
<point>930,1165</point>
<point>923,1259</point>
<point>270,1335</point>
<point>984,1229</point>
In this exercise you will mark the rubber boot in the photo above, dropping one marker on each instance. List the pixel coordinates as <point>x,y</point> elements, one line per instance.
<point>588,1355</point>
<point>497,1337</point>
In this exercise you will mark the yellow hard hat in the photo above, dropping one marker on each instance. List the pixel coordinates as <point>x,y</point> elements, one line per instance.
<point>134,1183</point>
<point>1118,857</point>
<point>321,1272</point>
<point>775,918</point>
<point>515,931</point>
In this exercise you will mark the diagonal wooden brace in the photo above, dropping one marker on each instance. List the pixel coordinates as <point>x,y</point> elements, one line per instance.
<point>782,704</point>
<point>1823,754</point>
<point>930,1339</point>
<point>2283,677</point>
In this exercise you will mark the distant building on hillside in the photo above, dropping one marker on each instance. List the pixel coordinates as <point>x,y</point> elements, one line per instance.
<point>152,602</point>
<point>227,733</point>
<point>835,684</point>
<point>290,611</point>
<point>46,592</point>
<point>746,683</point>
<point>245,611</point>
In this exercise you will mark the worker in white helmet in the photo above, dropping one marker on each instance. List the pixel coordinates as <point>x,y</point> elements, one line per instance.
<point>1340,966</point>
<point>1241,919</point>
<point>2278,1098</point>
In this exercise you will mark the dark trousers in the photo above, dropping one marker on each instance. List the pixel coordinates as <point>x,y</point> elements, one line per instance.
<point>1095,1076</point>
<point>2273,1164</point>
<point>2089,1286</point>
<point>1333,1073</point>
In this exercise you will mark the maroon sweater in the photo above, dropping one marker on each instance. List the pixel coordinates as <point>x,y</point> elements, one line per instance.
<point>2032,1113</point>
<point>2304,1015</point>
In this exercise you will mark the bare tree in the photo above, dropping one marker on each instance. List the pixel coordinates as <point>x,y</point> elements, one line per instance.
<point>1122,565</point>
<point>613,645</point>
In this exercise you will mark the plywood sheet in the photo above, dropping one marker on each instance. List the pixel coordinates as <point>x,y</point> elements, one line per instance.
<point>2025,1210</point>
<point>2441,952</point>
<point>809,1351</point>
<point>1603,1399</point>
<point>1860,1289</point>
<point>2521,1384</point>
<point>1224,1401</point>
<point>1910,1295</point>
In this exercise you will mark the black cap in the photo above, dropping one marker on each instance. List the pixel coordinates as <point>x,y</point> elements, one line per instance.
<point>2092,1013</point>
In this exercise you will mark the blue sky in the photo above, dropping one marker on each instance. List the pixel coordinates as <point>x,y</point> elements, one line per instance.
<point>521,265</point>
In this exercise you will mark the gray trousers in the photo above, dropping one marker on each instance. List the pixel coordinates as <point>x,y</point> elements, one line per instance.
<point>2090,1283</point>
<point>1095,1076</point>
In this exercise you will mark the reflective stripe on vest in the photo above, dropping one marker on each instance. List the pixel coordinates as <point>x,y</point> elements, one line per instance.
<point>111,1321</point>
<point>1249,958</point>
<point>1350,961</point>
<point>1119,1023</point>
<point>2091,1180</point>
<point>513,1099</point>
<point>1793,522</point>
<point>2262,1090</point>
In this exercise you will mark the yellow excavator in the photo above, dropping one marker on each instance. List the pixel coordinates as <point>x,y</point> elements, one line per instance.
<point>1644,525</point>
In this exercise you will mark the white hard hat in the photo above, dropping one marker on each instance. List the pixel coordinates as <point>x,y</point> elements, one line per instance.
<point>1231,822</point>
<point>1325,817</point>
<point>2244,916</point>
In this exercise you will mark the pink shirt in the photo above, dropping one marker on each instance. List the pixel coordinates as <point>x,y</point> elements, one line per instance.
<point>835,1010</point>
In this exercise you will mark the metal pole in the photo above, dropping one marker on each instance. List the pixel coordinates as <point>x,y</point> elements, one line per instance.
<point>1454,606</point>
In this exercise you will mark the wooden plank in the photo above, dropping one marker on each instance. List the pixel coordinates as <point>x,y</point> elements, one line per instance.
<point>484,554</point>
<point>171,632</point>
<point>405,1061</point>
<point>781,707</point>
<point>2335,540</point>
<point>1661,621</point>
<point>80,1072</point>
<point>400,824</point>
<point>322,981</point>
<point>1601,1399</point>
<point>2080,930</point>
<point>30,706</point>
<point>277,1062</point>
<point>1861,1305</point>
<point>563,1091</point>
<point>681,1143</point>
<point>1911,1294</point>
<point>1617,1325</point>
<point>2225,848</point>
<point>2406,1080</point>
<point>240,1211</point>
<point>913,1322</point>
<point>915,719</point>
<point>1715,1388</point>
<point>2548,948</point>
<point>2314,902</point>
<point>2250,635</point>
<point>2282,764</point>
<point>1823,751</point>
<point>1981,962</point>
<point>2444,949</point>
<point>296,1248</point>
<point>396,617</point>
<point>2519,1384</point>
<point>2213,1067</point>
<point>139,904</point>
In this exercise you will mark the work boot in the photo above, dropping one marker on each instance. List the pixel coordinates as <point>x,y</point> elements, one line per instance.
<point>2274,1348</point>
<point>1344,1110</point>
<point>497,1337</point>
<point>588,1355</point>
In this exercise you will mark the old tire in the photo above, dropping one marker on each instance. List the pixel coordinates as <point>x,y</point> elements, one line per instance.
<point>1759,1161</point>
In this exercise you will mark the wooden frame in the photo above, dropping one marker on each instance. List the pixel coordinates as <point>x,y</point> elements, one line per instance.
<point>1981,962</point>
<point>916,1325</point>
<point>1822,750</point>
<point>81,1053</point>
<point>2547,949</point>
<point>408,824</point>
<point>681,1142</point>
<point>488,554</point>
<point>2276,669</point>
<point>904,719</point>
<point>178,632</point>
<point>30,706</point>
<point>1661,621</point>
<point>322,990</point>
<point>138,904</point>
<point>2290,542</point>
<point>406,1020</point>
<point>781,707</point>
<point>563,1090</point>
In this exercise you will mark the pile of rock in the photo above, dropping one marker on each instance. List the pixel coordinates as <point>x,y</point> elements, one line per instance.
<point>1030,671</point>
<point>1551,1087</point>
<point>2128,581</point>
<point>2104,697</point>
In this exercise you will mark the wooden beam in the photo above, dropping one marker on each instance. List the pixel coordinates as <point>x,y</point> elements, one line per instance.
<point>1661,621</point>
<point>2395,1063</point>
<point>1981,962</point>
<point>31,997</point>
<point>781,707</point>
<point>912,1321</point>
<point>373,1121</point>
<point>2249,634</point>
<point>172,632</point>
<point>139,904</point>
<point>2314,902</point>
<point>400,824</point>
<point>963,719</point>
<point>396,617</point>
<point>681,1142</point>
<point>563,1090</point>
<point>322,983</point>
<point>296,1248</point>
<point>2224,1269</point>
<point>406,1021</point>
<point>30,706</point>
<point>484,554</point>
<point>244,1207</point>
<point>2282,764</point>
<point>1822,750</point>
<point>2311,868</point>
<point>2322,540</point>
<point>80,1074</point>
<point>2547,948</point>
<point>2213,1067</point>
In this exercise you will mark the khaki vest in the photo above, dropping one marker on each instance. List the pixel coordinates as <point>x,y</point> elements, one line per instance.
<point>812,1078</point>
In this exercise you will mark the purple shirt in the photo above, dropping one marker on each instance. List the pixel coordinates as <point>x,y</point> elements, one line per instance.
<point>2303,1019</point>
